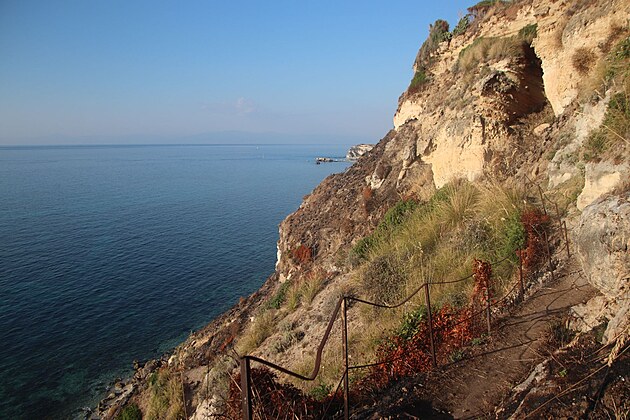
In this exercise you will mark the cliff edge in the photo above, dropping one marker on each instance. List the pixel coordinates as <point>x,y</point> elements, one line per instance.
<point>524,105</point>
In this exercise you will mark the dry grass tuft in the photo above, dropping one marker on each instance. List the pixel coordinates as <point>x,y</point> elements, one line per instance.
<point>259,329</point>
<point>483,50</point>
<point>583,59</point>
<point>165,397</point>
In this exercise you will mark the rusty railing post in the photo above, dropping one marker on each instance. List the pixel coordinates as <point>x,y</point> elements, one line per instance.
<point>566,237</point>
<point>553,277</point>
<point>426,294</point>
<point>520,275</point>
<point>488,308</point>
<point>246,389</point>
<point>488,312</point>
<point>346,382</point>
<point>542,199</point>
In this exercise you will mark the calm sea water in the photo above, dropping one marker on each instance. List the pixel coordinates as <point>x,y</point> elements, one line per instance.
<point>110,254</point>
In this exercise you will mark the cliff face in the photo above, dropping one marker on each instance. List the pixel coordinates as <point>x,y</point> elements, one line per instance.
<point>515,98</point>
<point>493,115</point>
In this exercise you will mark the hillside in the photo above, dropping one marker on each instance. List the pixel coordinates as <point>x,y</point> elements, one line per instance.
<point>514,122</point>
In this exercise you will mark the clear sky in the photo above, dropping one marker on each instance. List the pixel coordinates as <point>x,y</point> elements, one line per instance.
<point>137,71</point>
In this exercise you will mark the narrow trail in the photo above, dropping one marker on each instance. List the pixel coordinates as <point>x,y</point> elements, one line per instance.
<point>473,386</point>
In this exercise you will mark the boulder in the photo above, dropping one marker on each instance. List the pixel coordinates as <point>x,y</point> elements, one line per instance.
<point>602,241</point>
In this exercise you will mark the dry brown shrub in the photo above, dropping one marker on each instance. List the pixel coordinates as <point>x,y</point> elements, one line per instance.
<point>367,193</point>
<point>583,60</point>
<point>302,254</point>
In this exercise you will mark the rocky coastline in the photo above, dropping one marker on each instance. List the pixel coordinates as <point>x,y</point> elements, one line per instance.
<point>514,119</point>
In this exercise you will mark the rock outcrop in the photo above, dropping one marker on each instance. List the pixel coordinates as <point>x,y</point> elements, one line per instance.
<point>355,152</point>
<point>603,245</point>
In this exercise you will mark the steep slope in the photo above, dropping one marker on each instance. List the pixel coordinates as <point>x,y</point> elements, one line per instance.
<point>515,97</point>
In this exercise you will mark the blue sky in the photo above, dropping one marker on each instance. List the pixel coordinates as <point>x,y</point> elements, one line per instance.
<point>112,71</point>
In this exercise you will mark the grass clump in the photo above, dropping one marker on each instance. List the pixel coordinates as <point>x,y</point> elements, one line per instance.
<point>394,217</point>
<point>302,291</point>
<point>259,329</point>
<point>280,297</point>
<point>311,286</point>
<point>485,49</point>
<point>165,397</point>
<point>614,133</point>
<point>130,412</point>
<point>582,60</point>
<point>419,80</point>
<point>528,33</point>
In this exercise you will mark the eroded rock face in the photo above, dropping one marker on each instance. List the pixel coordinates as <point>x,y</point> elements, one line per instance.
<point>602,239</point>
<point>600,179</point>
<point>567,29</point>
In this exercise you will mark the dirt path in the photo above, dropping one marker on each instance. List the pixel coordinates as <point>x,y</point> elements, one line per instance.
<point>473,386</point>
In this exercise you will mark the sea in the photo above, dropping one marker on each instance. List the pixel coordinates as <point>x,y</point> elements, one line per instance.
<point>110,254</point>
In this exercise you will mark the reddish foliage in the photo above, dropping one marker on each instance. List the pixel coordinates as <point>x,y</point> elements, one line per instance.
<point>271,399</point>
<point>482,271</point>
<point>536,226</point>
<point>302,255</point>
<point>399,357</point>
<point>367,194</point>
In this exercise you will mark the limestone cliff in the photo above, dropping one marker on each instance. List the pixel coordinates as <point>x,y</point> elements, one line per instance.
<point>516,96</point>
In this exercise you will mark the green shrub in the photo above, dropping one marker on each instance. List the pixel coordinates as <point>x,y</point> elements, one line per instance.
<point>411,320</point>
<point>396,215</point>
<point>280,297</point>
<point>528,33</point>
<point>461,26</point>
<point>419,79</point>
<point>456,356</point>
<point>359,252</point>
<point>438,32</point>
<point>622,50</point>
<point>513,237</point>
<point>130,412</point>
<point>321,391</point>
